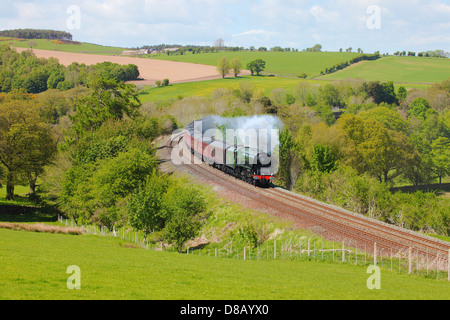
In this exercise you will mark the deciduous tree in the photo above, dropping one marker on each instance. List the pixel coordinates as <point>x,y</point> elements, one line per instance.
<point>26,142</point>
<point>223,67</point>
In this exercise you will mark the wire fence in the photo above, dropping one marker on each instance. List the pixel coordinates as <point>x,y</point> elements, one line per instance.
<point>413,261</point>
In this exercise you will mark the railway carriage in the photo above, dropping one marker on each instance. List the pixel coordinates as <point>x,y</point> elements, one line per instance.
<point>245,163</point>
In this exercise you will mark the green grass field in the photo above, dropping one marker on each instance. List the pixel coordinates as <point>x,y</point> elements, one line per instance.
<point>289,64</point>
<point>34,266</point>
<point>205,88</point>
<point>44,44</point>
<point>398,69</point>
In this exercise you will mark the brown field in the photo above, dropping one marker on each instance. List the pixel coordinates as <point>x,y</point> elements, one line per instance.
<point>150,70</point>
<point>40,227</point>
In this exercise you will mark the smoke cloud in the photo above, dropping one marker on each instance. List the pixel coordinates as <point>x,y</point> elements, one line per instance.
<point>260,132</point>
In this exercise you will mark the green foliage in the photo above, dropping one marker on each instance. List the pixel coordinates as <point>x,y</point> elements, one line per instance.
<point>380,92</point>
<point>402,93</point>
<point>440,157</point>
<point>323,159</point>
<point>391,119</point>
<point>256,66</point>
<point>109,164</point>
<point>36,34</point>
<point>419,108</point>
<point>286,144</point>
<point>223,66</point>
<point>27,143</point>
<point>183,209</point>
<point>145,205</point>
<point>236,66</point>
<point>250,234</point>
<point>26,71</point>
<point>109,100</point>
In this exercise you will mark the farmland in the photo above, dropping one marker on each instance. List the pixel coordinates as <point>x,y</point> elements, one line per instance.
<point>206,88</point>
<point>398,69</point>
<point>289,64</point>
<point>54,45</point>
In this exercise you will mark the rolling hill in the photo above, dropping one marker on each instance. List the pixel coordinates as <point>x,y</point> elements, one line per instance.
<point>398,69</point>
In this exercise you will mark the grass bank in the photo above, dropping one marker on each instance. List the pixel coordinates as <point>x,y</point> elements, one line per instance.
<point>34,267</point>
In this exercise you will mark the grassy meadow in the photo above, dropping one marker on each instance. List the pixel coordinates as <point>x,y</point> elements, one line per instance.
<point>206,88</point>
<point>34,266</point>
<point>398,69</point>
<point>290,64</point>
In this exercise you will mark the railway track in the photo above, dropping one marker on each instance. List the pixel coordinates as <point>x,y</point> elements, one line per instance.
<point>348,225</point>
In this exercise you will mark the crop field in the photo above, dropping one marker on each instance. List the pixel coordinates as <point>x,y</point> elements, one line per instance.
<point>34,266</point>
<point>278,63</point>
<point>54,45</point>
<point>398,69</point>
<point>205,88</point>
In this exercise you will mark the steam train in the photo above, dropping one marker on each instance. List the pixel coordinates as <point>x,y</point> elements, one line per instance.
<point>243,162</point>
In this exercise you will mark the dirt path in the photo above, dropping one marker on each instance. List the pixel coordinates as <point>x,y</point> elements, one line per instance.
<point>150,70</point>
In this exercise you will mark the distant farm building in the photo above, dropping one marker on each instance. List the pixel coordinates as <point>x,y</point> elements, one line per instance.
<point>136,52</point>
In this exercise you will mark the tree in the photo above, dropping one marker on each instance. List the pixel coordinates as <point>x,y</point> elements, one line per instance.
<point>317,48</point>
<point>26,142</point>
<point>323,159</point>
<point>236,66</point>
<point>109,100</point>
<point>145,205</point>
<point>285,148</point>
<point>402,93</point>
<point>183,209</point>
<point>391,119</point>
<point>374,149</point>
<point>419,108</point>
<point>440,156</point>
<point>223,67</point>
<point>256,66</point>
<point>329,95</point>
<point>219,43</point>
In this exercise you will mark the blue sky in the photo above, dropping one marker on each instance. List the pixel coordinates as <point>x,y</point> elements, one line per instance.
<point>387,26</point>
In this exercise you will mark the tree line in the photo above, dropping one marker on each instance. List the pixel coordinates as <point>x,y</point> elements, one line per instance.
<point>432,54</point>
<point>25,71</point>
<point>343,65</point>
<point>235,65</point>
<point>36,34</point>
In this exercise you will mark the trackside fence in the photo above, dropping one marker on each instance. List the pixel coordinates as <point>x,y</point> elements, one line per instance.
<point>413,261</point>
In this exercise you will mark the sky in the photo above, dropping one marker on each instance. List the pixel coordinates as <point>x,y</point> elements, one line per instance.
<point>372,25</point>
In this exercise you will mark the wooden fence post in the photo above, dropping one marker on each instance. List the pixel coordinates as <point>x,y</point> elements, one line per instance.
<point>309,247</point>
<point>409,261</point>
<point>374,253</point>
<point>343,252</point>
<point>275,249</point>
<point>448,264</point>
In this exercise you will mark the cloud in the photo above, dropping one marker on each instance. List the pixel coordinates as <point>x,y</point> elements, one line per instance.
<point>287,23</point>
<point>322,15</point>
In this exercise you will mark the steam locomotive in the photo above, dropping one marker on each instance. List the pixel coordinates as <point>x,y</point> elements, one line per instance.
<point>243,162</point>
